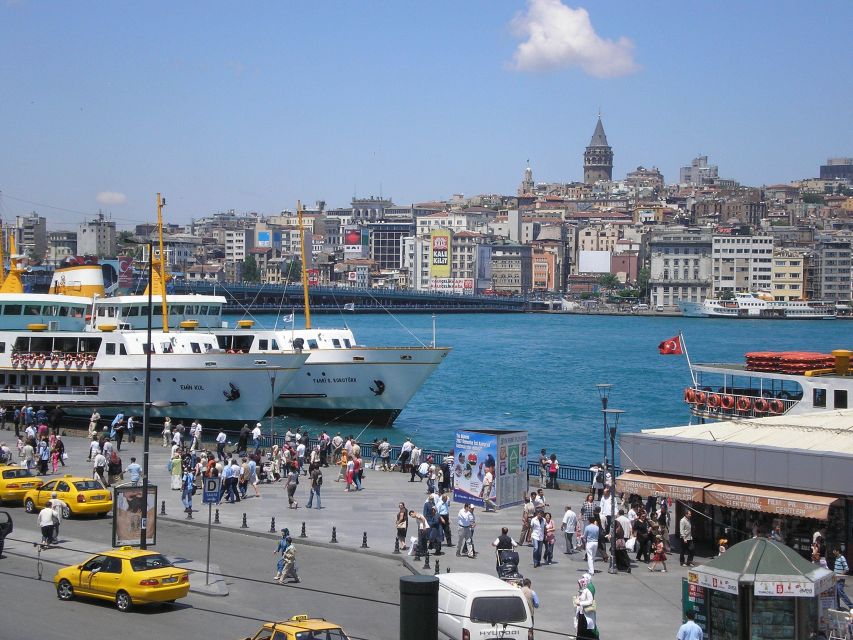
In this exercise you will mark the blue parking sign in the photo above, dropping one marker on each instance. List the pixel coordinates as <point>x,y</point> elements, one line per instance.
<point>211,489</point>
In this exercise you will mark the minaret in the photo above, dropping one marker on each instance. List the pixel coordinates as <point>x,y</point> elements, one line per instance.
<point>598,157</point>
<point>526,187</point>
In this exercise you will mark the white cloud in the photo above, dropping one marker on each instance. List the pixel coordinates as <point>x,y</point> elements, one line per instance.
<point>111,198</point>
<point>558,36</point>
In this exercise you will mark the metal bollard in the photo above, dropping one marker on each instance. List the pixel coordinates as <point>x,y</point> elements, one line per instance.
<point>245,525</point>
<point>216,517</point>
<point>426,559</point>
<point>303,534</point>
<point>163,508</point>
<point>447,570</point>
<point>334,535</point>
<point>272,525</point>
<point>364,541</point>
<point>437,570</point>
<point>397,546</point>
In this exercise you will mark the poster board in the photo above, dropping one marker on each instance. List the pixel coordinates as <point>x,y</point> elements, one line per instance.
<point>127,515</point>
<point>503,453</point>
<point>695,597</point>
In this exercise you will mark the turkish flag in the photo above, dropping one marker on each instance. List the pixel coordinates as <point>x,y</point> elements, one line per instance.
<point>671,347</point>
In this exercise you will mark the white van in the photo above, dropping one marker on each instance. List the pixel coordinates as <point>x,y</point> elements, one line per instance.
<point>477,606</point>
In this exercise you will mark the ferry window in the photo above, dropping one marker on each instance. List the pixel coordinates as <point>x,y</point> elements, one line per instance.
<point>840,398</point>
<point>194,346</point>
<point>166,347</point>
<point>41,345</point>
<point>263,344</point>
<point>89,381</point>
<point>12,310</point>
<point>312,344</point>
<point>143,311</point>
<point>102,312</point>
<point>75,381</point>
<point>215,311</point>
<point>147,348</point>
<point>274,346</point>
<point>132,311</point>
<point>65,345</point>
<point>32,310</point>
<point>191,309</point>
<point>202,310</point>
<point>50,310</point>
<point>77,312</point>
<point>336,343</point>
<point>819,398</point>
<point>122,351</point>
<point>347,343</point>
<point>2,347</point>
<point>90,345</point>
<point>158,310</point>
<point>63,311</point>
<point>177,309</point>
<point>111,348</point>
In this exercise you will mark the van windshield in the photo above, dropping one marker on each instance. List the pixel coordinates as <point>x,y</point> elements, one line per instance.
<point>498,609</point>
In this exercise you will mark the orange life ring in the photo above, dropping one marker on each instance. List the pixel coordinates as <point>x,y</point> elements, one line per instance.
<point>727,402</point>
<point>776,407</point>
<point>744,404</point>
<point>701,396</point>
<point>690,395</point>
<point>761,405</point>
<point>714,400</point>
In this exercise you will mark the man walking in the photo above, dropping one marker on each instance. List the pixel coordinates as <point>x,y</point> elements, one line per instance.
<point>464,520</point>
<point>486,493</point>
<point>289,569</point>
<point>544,463</point>
<point>316,483</point>
<point>256,437</point>
<point>689,630</point>
<point>685,533</point>
<point>443,508</point>
<point>841,568</point>
<point>221,439</point>
<point>45,522</point>
<point>568,527</point>
<point>590,536</point>
<point>537,535</point>
<point>134,472</point>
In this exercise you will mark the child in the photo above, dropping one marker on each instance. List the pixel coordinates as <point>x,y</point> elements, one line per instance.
<point>660,555</point>
<point>724,544</point>
<point>54,458</point>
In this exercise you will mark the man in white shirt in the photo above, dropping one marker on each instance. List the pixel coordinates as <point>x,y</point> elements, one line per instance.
<point>465,522</point>
<point>45,521</point>
<point>256,437</point>
<point>537,535</point>
<point>196,443</point>
<point>56,505</point>
<point>300,453</point>
<point>568,527</point>
<point>486,493</point>
<point>221,439</point>
<point>606,505</point>
<point>99,465</point>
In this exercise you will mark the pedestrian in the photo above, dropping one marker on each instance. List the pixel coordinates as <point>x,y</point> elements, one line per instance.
<point>289,570</point>
<point>550,538</point>
<point>120,428</point>
<point>114,468</point>
<point>590,536</point>
<point>841,568</point>
<point>280,548</point>
<point>623,562</point>
<point>598,479</point>
<point>568,526</point>
<point>503,542</point>
<point>553,470</point>
<point>252,476</point>
<point>544,463</point>
<point>689,630</point>
<point>537,528</point>
<point>292,483</point>
<point>342,462</point>
<point>316,484</point>
<point>357,470</point>
<point>99,465</point>
<point>187,489</point>
<point>45,522</point>
<point>57,506</point>
<point>402,525</point>
<point>530,596</point>
<point>54,458</point>
<point>526,514</point>
<point>685,534</point>
<point>385,454</point>
<point>659,555</point>
<point>43,454</point>
<point>443,508</point>
<point>93,423</point>
<point>486,491</point>
<point>256,437</point>
<point>585,619</point>
<point>134,472</point>
<point>465,521</point>
<point>423,530</point>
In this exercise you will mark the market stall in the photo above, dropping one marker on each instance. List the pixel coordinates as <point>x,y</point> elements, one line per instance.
<point>759,589</point>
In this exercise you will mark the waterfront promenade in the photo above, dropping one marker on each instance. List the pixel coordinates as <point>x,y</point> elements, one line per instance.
<point>642,603</point>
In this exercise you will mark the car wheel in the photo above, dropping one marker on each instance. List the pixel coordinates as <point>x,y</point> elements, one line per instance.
<point>66,512</point>
<point>102,514</point>
<point>29,506</point>
<point>64,590</point>
<point>123,601</point>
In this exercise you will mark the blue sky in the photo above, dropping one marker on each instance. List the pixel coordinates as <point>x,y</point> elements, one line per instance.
<point>252,105</point>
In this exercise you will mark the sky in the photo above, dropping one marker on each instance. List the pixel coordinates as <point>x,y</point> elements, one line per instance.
<point>251,106</point>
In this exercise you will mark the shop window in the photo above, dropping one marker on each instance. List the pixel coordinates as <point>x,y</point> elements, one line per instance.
<point>840,399</point>
<point>819,398</point>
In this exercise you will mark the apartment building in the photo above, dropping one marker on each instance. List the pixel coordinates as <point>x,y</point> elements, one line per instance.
<point>97,237</point>
<point>788,274</point>
<point>741,263</point>
<point>680,265</point>
<point>828,276</point>
<point>512,268</point>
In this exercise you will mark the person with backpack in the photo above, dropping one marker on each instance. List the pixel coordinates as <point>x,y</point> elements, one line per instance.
<point>292,483</point>
<point>598,478</point>
<point>316,484</point>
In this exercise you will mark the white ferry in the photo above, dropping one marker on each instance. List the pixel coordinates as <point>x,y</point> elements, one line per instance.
<point>771,384</point>
<point>758,306</point>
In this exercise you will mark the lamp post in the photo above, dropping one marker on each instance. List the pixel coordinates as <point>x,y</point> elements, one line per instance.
<point>143,531</point>
<point>271,374</point>
<point>614,423</point>
<point>604,393</point>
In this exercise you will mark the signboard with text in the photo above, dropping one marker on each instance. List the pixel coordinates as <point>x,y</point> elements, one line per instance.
<point>503,454</point>
<point>439,259</point>
<point>726,585</point>
<point>695,598</point>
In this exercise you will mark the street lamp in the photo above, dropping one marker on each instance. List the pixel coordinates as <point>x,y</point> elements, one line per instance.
<point>271,374</point>
<point>614,423</point>
<point>603,393</point>
<point>143,531</point>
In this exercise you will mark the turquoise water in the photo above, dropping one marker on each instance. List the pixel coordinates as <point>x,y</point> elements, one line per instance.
<point>538,372</point>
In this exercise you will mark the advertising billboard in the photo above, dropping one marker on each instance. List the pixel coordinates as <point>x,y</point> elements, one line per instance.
<point>125,272</point>
<point>439,253</point>
<point>484,267</point>
<point>313,277</point>
<point>128,510</point>
<point>452,285</point>
<point>503,453</point>
<point>356,241</point>
<point>264,239</point>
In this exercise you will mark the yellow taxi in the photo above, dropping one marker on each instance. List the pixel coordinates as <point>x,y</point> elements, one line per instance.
<point>15,482</point>
<point>300,628</point>
<point>127,576</point>
<point>82,496</point>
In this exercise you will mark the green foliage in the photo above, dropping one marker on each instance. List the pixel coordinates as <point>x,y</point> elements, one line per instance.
<point>609,281</point>
<point>643,278</point>
<point>251,272</point>
<point>727,295</point>
<point>813,198</point>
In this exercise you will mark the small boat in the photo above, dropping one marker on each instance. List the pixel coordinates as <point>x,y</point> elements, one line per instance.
<point>758,306</point>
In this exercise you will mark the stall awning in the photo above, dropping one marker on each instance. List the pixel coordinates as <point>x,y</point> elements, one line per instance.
<point>786,503</point>
<point>648,485</point>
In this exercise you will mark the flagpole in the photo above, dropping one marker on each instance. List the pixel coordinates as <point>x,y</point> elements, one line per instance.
<point>687,355</point>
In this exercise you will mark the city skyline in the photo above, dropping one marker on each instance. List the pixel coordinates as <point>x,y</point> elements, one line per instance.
<point>219,109</point>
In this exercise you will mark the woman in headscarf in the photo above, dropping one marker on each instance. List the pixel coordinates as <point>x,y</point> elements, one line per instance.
<point>585,608</point>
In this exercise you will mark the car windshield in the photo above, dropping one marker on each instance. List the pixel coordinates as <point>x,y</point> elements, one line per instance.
<point>324,634</point>
<point>88,485</point>
<point>146,563</point>
<point>17,473</point>
<point>498,609</point>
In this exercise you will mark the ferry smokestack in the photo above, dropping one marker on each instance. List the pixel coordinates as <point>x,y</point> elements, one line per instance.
<point>842,361</point>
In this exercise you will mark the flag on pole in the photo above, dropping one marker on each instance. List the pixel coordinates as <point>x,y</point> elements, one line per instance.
<point>349,306</point>
<point>671,347</point>
<point>287,319</point>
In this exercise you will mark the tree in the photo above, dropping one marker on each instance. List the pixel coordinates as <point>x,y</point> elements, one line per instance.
<point>643,277</point>
<point>250,269</point>
<point>609,281</point>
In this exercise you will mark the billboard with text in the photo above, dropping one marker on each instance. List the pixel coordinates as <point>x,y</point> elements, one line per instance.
<point>439,254</point>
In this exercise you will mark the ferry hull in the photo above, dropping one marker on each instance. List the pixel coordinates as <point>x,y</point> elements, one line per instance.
<point>359,385</point>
